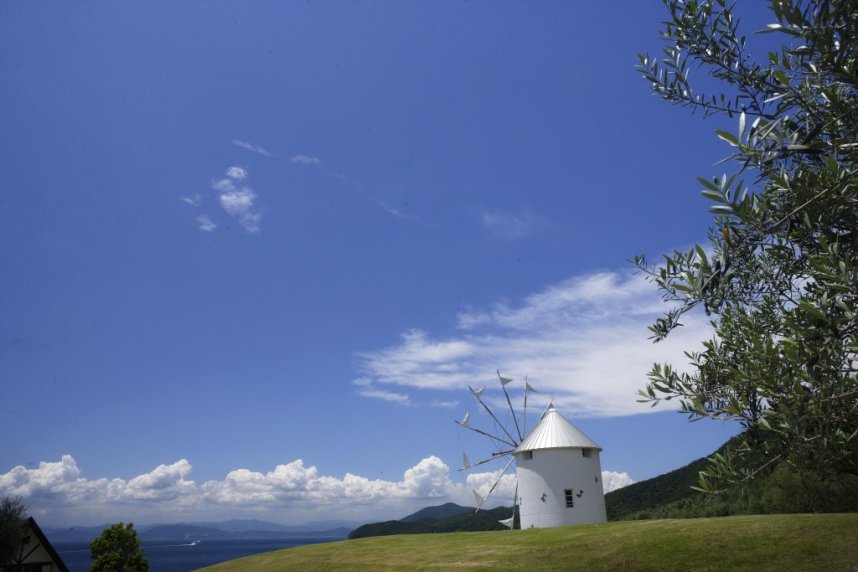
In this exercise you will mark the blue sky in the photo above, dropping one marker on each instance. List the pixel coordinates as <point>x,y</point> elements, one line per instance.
<point>238,235</point>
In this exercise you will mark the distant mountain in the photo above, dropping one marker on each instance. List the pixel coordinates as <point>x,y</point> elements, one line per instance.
<point>445,518</point>
<point>210,530</point>
<point>73,533</point>
<point>181,532</point>
<point>237,525</point>
<point>246,525</point>
<point>436,512</point>
<point>193,532</point>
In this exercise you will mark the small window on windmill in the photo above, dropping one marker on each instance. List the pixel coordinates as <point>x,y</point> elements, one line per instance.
<point>528,455</point>
<point>587,452</point>
<point>570,498</point>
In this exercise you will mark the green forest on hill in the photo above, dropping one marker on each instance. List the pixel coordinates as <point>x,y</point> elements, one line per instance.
<point>779,489</point>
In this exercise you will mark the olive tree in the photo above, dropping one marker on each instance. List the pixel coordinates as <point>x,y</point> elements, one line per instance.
<point>778,277</point>
<point>12,528</point>
<point>118,549</point>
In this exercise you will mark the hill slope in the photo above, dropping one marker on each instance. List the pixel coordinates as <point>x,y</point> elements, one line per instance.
<point>632,500</point>
<point>777,490</point>
<point>435,512</point>
<point>449,517</point>
<point>770,542</point>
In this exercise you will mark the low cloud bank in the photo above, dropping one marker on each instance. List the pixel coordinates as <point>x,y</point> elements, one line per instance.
<point>58,494</point>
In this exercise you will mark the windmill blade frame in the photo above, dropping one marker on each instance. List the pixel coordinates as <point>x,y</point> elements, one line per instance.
<point>499,435</point>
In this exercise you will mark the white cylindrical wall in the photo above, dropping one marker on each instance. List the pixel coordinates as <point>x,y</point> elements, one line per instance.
<point>543,479</point>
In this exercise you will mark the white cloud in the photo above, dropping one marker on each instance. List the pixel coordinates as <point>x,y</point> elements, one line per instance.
<point>251,147</point>
<point>583,341</point>
<point>164,483</point>
<point>509,226</point>
<point>393,211</point>
<point>441,404</point>
<point>367,389</point>
<point>237,173</point>
<point>58,493</point>
<point>504,491</point>
<point>612,480</point>
<point>194,200</point>
<point>205,223</point>
<point>301,159</point>
<point>384,395</point>
<point>238,202</point>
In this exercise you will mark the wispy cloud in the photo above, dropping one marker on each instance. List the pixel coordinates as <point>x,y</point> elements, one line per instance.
<point>206,224</point>
<point>367,389</point>
<point>238,201</point>
<point>251,147</point>
<point>193,200</point>
<point>301,159</point>
<point>509,226</point>
<point>58,494</point>
<point>398,213</point>
<point>441,404</point>
<point>583,341</point>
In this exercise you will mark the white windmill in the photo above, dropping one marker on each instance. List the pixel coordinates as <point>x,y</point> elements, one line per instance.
<point>558,472</point>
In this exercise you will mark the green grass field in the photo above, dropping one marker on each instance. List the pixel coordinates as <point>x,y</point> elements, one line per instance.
<point>822,542</point>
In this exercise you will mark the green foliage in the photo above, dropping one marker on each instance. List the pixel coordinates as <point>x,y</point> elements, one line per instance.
<point>118,549</point>
<point>783,489</point>
<point>12,528</point>
<point>779,277</point>
<point>643,499</point>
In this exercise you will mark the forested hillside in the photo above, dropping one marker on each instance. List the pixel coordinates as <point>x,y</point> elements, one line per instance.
<point>446,518</point>
<point>779,489</point>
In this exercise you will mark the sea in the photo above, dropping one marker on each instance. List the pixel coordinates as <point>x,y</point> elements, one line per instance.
<point>176,557</point>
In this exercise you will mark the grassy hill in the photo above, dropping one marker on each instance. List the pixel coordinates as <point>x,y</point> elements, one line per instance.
<point>769,542</point>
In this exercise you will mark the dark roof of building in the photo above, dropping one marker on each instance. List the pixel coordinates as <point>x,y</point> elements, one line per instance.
<point>61,566</point>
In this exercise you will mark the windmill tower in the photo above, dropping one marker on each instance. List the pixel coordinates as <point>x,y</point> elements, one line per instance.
<point>558,474</point>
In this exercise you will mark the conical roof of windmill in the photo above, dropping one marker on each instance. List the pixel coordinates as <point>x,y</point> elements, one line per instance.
<point>554,432</point>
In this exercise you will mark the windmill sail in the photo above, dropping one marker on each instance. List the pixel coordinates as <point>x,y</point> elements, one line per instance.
<point>489,411</point>
<point>505,443</point>
<point>504,381</point>
<point>489,435</point>
<point>527,389</point>
<point>510,522</point>
<point>478,463</point>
